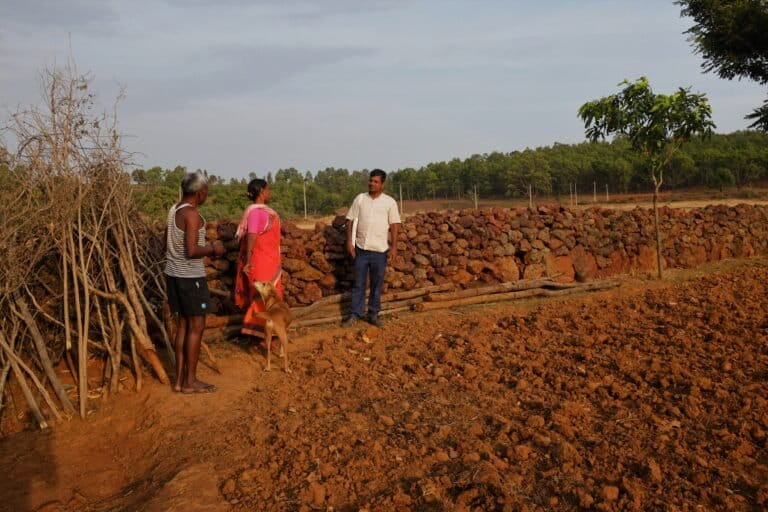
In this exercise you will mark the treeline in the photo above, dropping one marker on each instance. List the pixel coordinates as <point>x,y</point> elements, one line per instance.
<point>723,160</point>
<point>157,188</point>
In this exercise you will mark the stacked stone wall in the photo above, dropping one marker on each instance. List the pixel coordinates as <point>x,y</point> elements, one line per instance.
<point>474,247</point>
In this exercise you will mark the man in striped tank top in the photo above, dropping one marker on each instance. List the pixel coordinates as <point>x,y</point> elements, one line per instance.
<point>188,295</point>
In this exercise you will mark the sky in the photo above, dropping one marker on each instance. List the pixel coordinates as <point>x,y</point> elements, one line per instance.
<point>238,86</point>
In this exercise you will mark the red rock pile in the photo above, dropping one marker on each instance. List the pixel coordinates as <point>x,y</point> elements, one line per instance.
<point>472,247</point>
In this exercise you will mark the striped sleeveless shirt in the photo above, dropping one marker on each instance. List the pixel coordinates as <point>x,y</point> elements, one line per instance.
<point>176,262</point>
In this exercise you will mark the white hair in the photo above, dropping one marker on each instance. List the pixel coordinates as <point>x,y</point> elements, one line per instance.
<point>192,183</point>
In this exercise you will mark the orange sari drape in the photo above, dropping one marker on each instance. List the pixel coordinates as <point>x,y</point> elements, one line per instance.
<point>265,266</point>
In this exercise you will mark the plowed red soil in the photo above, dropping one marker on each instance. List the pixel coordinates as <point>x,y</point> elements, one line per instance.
<point>650,397</point>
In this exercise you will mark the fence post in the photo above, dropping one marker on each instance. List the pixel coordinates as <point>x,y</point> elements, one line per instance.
<point>530,196</point>
<point>606,192</point>
<point>594,191</point>
<point>475,197</point>
<point>304,187</point>
<point>401,198</point>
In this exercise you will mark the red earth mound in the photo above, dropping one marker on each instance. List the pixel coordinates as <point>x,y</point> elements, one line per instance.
<point>634,399</point>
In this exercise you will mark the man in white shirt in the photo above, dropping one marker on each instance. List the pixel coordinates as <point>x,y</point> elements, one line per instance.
<point>372,227</point>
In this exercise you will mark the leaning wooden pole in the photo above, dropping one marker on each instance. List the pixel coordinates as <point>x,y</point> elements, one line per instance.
<point>19,365</point>
<point>28,396</point>
<point>337,318</point>
<point>42,352</point>
<point>498,297</point>
<point>656,227</point>
<point>498,288</point>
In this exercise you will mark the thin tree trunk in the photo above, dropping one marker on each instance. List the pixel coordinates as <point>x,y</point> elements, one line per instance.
<point>116,328</point>
<point>115,325</point>
<point>71,365</point>
<point>82,351</point>
<point>34,407</point>
<point>145,346</point>
<point>82,358</point>
<point>656,226</point>
<point>65,276</point>
<point>135,360</point>
<point>161,325</point>
<point>3,379</point>
<point>107,345</point>
<point>170,321</point>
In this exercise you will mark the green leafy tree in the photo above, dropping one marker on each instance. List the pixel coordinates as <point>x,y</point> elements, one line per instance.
<point>719,178</point>
<point>139,176</point>
<point>656,126</point>
<point>452,173</point>
<point>732,38</point>
<point>152,176</point>
<point>496,166</point>
<point>290,175</point>
<point>212,178</point>
<point>681,170</point>
<point>475,174</point>
<point>528,168</point>
<point>618,173</point>
<point>437,178</point>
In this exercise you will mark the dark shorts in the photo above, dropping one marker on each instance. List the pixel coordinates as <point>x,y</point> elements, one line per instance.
<point>188,296</point>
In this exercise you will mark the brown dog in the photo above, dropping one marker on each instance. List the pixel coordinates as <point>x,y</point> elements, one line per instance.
<point>277,317</point>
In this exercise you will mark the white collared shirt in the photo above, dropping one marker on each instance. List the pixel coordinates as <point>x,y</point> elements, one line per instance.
<point>372,218</point>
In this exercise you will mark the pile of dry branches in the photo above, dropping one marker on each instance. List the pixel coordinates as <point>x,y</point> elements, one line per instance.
<point>77,276</point>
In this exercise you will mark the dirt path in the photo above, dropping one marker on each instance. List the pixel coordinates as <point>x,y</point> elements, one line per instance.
<point>649,397</point>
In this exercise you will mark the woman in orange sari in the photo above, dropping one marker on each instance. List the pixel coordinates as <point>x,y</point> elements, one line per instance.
<point>259,235</point>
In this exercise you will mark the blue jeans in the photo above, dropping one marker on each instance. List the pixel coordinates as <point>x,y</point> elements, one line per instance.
<point>373,264</point>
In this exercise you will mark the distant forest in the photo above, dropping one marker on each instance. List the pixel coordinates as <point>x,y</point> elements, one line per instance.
<point>737,159</point>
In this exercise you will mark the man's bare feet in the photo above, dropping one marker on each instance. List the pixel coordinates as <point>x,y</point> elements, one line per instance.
<point>177,382</point>
<point>198,387</point>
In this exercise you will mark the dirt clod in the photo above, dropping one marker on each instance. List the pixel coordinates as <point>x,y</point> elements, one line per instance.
<point>610,493</point>
<point>654,471</point>
<point>317,494</point>
<point>228,487</point>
